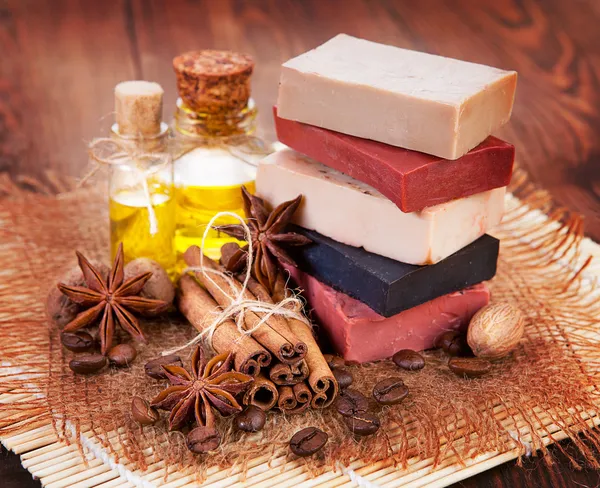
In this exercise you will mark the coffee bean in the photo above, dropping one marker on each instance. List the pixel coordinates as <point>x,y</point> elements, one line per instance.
<point>454,344</point>
<point>88,364</point>
<point>142,412</point>
<point>122,354</point>
<point>390,391</point>
<point>203,439</point>
<point>470,367</point>
<point>154,368</point>
<point>334,361</point>
<point>363,424</point>
<point>308,441</point>
<point>79,341</point>
<point>409,360</point>
<point>351,402</point>
<point>251,420</point>
<point>343,377</point>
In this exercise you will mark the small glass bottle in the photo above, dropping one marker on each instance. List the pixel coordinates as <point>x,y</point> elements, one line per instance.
<point>141,200</point>
<point>214,120</point>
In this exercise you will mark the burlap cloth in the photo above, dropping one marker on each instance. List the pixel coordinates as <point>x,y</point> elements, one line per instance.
<point>549,382</point>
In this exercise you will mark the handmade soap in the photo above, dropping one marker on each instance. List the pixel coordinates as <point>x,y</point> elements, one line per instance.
<point>418,101</point>
<point>356,214</point>
<point>359,334</point>
<point>411,179</point>
<point>388,286</point>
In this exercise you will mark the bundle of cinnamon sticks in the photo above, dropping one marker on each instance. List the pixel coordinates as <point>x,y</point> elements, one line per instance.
<point>281,353</point>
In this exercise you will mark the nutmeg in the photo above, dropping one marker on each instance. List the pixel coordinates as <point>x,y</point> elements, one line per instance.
<point>158,287</point>
<point>495,330</point>
<point>60,309</point>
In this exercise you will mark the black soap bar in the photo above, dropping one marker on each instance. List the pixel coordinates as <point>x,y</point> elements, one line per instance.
<point>389,286</point>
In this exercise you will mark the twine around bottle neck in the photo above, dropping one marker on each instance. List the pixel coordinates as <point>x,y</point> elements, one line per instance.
<point>230,131</point>
<point>146,155</point>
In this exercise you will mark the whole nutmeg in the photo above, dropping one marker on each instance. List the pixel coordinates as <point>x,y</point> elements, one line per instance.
<point>495,330</point>
<point>60,309</point>
<point>158,287</point>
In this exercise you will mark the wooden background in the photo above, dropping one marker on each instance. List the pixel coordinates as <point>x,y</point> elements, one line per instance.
<point>60,59</point>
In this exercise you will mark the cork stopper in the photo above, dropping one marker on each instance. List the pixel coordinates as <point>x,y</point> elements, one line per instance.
<point>138,107</point>
<point>214,82</point>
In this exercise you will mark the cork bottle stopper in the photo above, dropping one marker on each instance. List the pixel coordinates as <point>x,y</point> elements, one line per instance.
<point>214,82</point>
<point>138,107</point>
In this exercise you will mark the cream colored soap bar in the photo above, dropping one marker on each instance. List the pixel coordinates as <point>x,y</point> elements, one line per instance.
<point>418,101</point>
<point>356,214</point>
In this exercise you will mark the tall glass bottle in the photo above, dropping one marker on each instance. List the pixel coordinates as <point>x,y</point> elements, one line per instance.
<point>214,120</point>
<point>141,200</point>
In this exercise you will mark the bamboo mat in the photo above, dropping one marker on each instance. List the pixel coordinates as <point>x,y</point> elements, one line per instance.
<point>59,465</point>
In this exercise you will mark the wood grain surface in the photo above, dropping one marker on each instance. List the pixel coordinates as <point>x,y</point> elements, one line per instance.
<point>60,59</point>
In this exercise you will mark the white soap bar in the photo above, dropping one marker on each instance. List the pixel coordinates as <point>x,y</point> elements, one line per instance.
<point>356,214</point>
<point>418,101</point>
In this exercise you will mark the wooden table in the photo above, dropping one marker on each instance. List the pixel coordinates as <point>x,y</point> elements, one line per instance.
<point>59,61</point>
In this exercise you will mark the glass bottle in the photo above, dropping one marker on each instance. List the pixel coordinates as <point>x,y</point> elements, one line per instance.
<point>214,123</point>
<point>141,200</point>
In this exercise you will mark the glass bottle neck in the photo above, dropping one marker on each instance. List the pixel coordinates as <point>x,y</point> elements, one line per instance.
<point>158,142</point>
<point>207,125</point>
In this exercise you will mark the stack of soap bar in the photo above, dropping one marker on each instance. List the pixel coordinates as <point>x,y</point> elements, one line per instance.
<point>412,180</point>
<point>387,286</point>
<point>360,335</point>
<point>356,214</point>
<point>436,105</point>
<point>401,177</point>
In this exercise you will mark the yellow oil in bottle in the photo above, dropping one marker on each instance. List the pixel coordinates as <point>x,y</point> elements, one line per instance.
<point>208,181</point>
<point>130,224</point>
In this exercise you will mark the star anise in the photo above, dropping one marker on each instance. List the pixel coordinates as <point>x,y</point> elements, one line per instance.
<point>208,385</point>
<point>110,298</point>
<point>268,237</point>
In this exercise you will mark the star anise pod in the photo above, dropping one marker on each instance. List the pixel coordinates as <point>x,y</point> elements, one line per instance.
<point>111,298</point>
<point>268,238</point>
<point>208,385</point>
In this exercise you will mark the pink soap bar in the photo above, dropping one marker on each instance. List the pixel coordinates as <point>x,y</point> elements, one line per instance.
<point>359,334</point>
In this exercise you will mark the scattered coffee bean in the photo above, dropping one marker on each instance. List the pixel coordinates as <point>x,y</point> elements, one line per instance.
<point>454,344</point>
<point>203,439</point>
<point>343,377</point>
<point>78,341</point>
<point>308,441</point>
<point>363,424</point>
<point>390,391</point>
<point>351,402</point>
<point>88,364</point>
<point>122,354</point>
<point>154,368</point>
<point>470,367</point>
<point>409,360</point>
<point>251,420</point>
<point>142,412</point>
<point>334,361</point>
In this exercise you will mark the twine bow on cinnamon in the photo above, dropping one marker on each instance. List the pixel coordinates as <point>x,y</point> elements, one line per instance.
<point>289,307</point>
<point>106,152</point>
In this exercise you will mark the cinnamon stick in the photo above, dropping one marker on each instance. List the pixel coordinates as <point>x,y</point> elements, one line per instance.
<point>321,380</point>
<point>262,394</point>
<point>274,334</point>
<point>294,399</point>
<point>198,307</point>
<point>288,374</point>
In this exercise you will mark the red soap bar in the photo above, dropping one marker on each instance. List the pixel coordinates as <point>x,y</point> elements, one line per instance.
<point>360,335</point>
<point>411,179</point>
